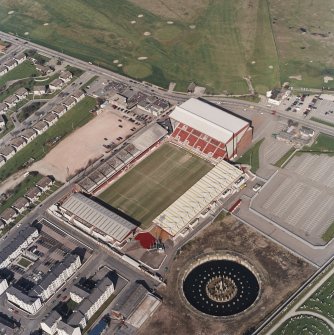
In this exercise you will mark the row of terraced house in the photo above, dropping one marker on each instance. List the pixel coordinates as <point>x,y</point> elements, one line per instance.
<point>12,63</point>
<point>28,135</point>
<point>22,203</point>
<point>12,100</point>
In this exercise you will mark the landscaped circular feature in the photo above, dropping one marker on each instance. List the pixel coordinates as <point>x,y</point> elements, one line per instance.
<point>220,287</point>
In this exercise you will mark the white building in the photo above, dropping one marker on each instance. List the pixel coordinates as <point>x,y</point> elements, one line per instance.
<point>100,294</point>
<point>7,152</point>
<point>29,134</point>
<point>21,93</point>
<point>40,127</point>
<point>3,108</point>
<point>3,70</point>
<point>3,285</point>
<point>58,276</point>
<point>65,76</point>
<point>20,58</point>
<point>10,64</point>
<point>39,90</point>
<point>2,121</point>
<point>21,300</point>
<point>65,329</point>
<point>50,323</point>
<point>14,245</point>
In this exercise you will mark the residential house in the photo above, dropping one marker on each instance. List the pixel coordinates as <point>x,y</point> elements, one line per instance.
<point>20,58</point>
<point>8,215</point>
<point>45,183</point>
<point>55,85</point>
<point>33,194</point>
<point>20,205</point>
<point>29,134</point>
<point>2,122</point>
<point>3,70</point>
<point>50,323</point>
<point>18,143</point>
<point>10,64</point>
<point>2,161</point>
<point>65,76</point>
<point>77,319</point>
<point>65,329</point>
<point>3,108</point>
<point>78,95</point>
<point>3,285</point>
<point>11,101</point>
<point>39,90</point>
<point>40,127</point>
<point>69,103</point>
<point>23,301</point>
<point>43,70</point>
<point>59,110</point>
<point>21,93</point>
<point>50,119</point>
<point>7,152</point>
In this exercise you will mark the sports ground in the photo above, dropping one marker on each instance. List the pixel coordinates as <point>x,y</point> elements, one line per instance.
<point>155,183</point>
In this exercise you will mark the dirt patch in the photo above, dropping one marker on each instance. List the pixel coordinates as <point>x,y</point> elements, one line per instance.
<point>298,77</point>
<point>275,265</point>
<point>84,145</point>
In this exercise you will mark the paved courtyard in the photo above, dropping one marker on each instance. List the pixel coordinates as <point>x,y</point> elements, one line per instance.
<point>300,197</point>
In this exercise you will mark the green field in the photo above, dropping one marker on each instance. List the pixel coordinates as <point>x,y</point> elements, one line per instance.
<point>214,43</point>
<point>40,146</point>
<point>251,157</point>
<point>24,70</point>
<point>155,183</point>
<point>323,144</point>
<point>304,325</point>
<point>284,158</point>
<point>322,300</point>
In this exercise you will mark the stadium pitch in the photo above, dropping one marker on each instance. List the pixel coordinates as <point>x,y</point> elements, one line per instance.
<point>155,183</point>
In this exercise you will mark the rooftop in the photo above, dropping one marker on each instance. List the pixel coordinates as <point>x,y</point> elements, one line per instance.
<point>217,122</point>
<point>100,217</point>
<point>198,197</point>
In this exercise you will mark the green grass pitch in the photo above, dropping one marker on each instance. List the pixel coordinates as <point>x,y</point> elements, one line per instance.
<point>155,183</point>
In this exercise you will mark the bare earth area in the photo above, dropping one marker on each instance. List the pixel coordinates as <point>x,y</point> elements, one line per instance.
<point>83,146</point>
<point>281,274</point>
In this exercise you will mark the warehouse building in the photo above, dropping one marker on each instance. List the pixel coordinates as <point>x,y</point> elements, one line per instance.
<point>210,130</point>
<point>95,219</point>
<point>198,198</point>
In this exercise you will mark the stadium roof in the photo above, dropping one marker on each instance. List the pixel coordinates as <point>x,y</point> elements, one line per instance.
<point>151,135</point>
<point>98,216</point>
<point>179,214</point>
<point>208,119</point>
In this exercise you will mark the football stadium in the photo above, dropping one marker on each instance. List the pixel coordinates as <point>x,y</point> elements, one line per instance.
<point>171,180</point>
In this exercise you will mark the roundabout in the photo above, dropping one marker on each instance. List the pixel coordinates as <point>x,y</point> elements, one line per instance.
<point>220,285</point>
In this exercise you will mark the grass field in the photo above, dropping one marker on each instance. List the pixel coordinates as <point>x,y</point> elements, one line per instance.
<point>304,325</point>
<point>323,143</point>
<point>284,158</point>
<point>24,70</point>
<point>327,123</point>
<point>155,183</point>
<point>215,43</point>
<point>40,146</point>
<point>322,300</point>
<point>251,157</point>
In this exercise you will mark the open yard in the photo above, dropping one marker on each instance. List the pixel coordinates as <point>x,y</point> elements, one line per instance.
<point>214,43</point>
<point>39,147</point>
<point>84,145</point>
<point>275,265</point>
<point>155,183</point>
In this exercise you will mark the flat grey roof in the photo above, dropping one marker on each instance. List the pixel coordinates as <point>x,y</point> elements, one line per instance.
<point>130,299</point>
<point>147,138</point>
<point>98,216</point>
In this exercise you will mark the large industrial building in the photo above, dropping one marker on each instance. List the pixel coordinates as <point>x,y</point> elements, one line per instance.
<point>180,213</point>
<point>210,130</point>
<point>95,219</point>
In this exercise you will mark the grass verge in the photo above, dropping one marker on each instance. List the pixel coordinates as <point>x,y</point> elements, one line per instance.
<point>284,158</point>
<point>24,70</point>
<point>330,124</point>
<point>329,233</point>
<point>251,157</point>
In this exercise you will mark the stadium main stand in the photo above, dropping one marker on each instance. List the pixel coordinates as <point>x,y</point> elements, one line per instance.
<point>190,205</point>
<point>210,130</point>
